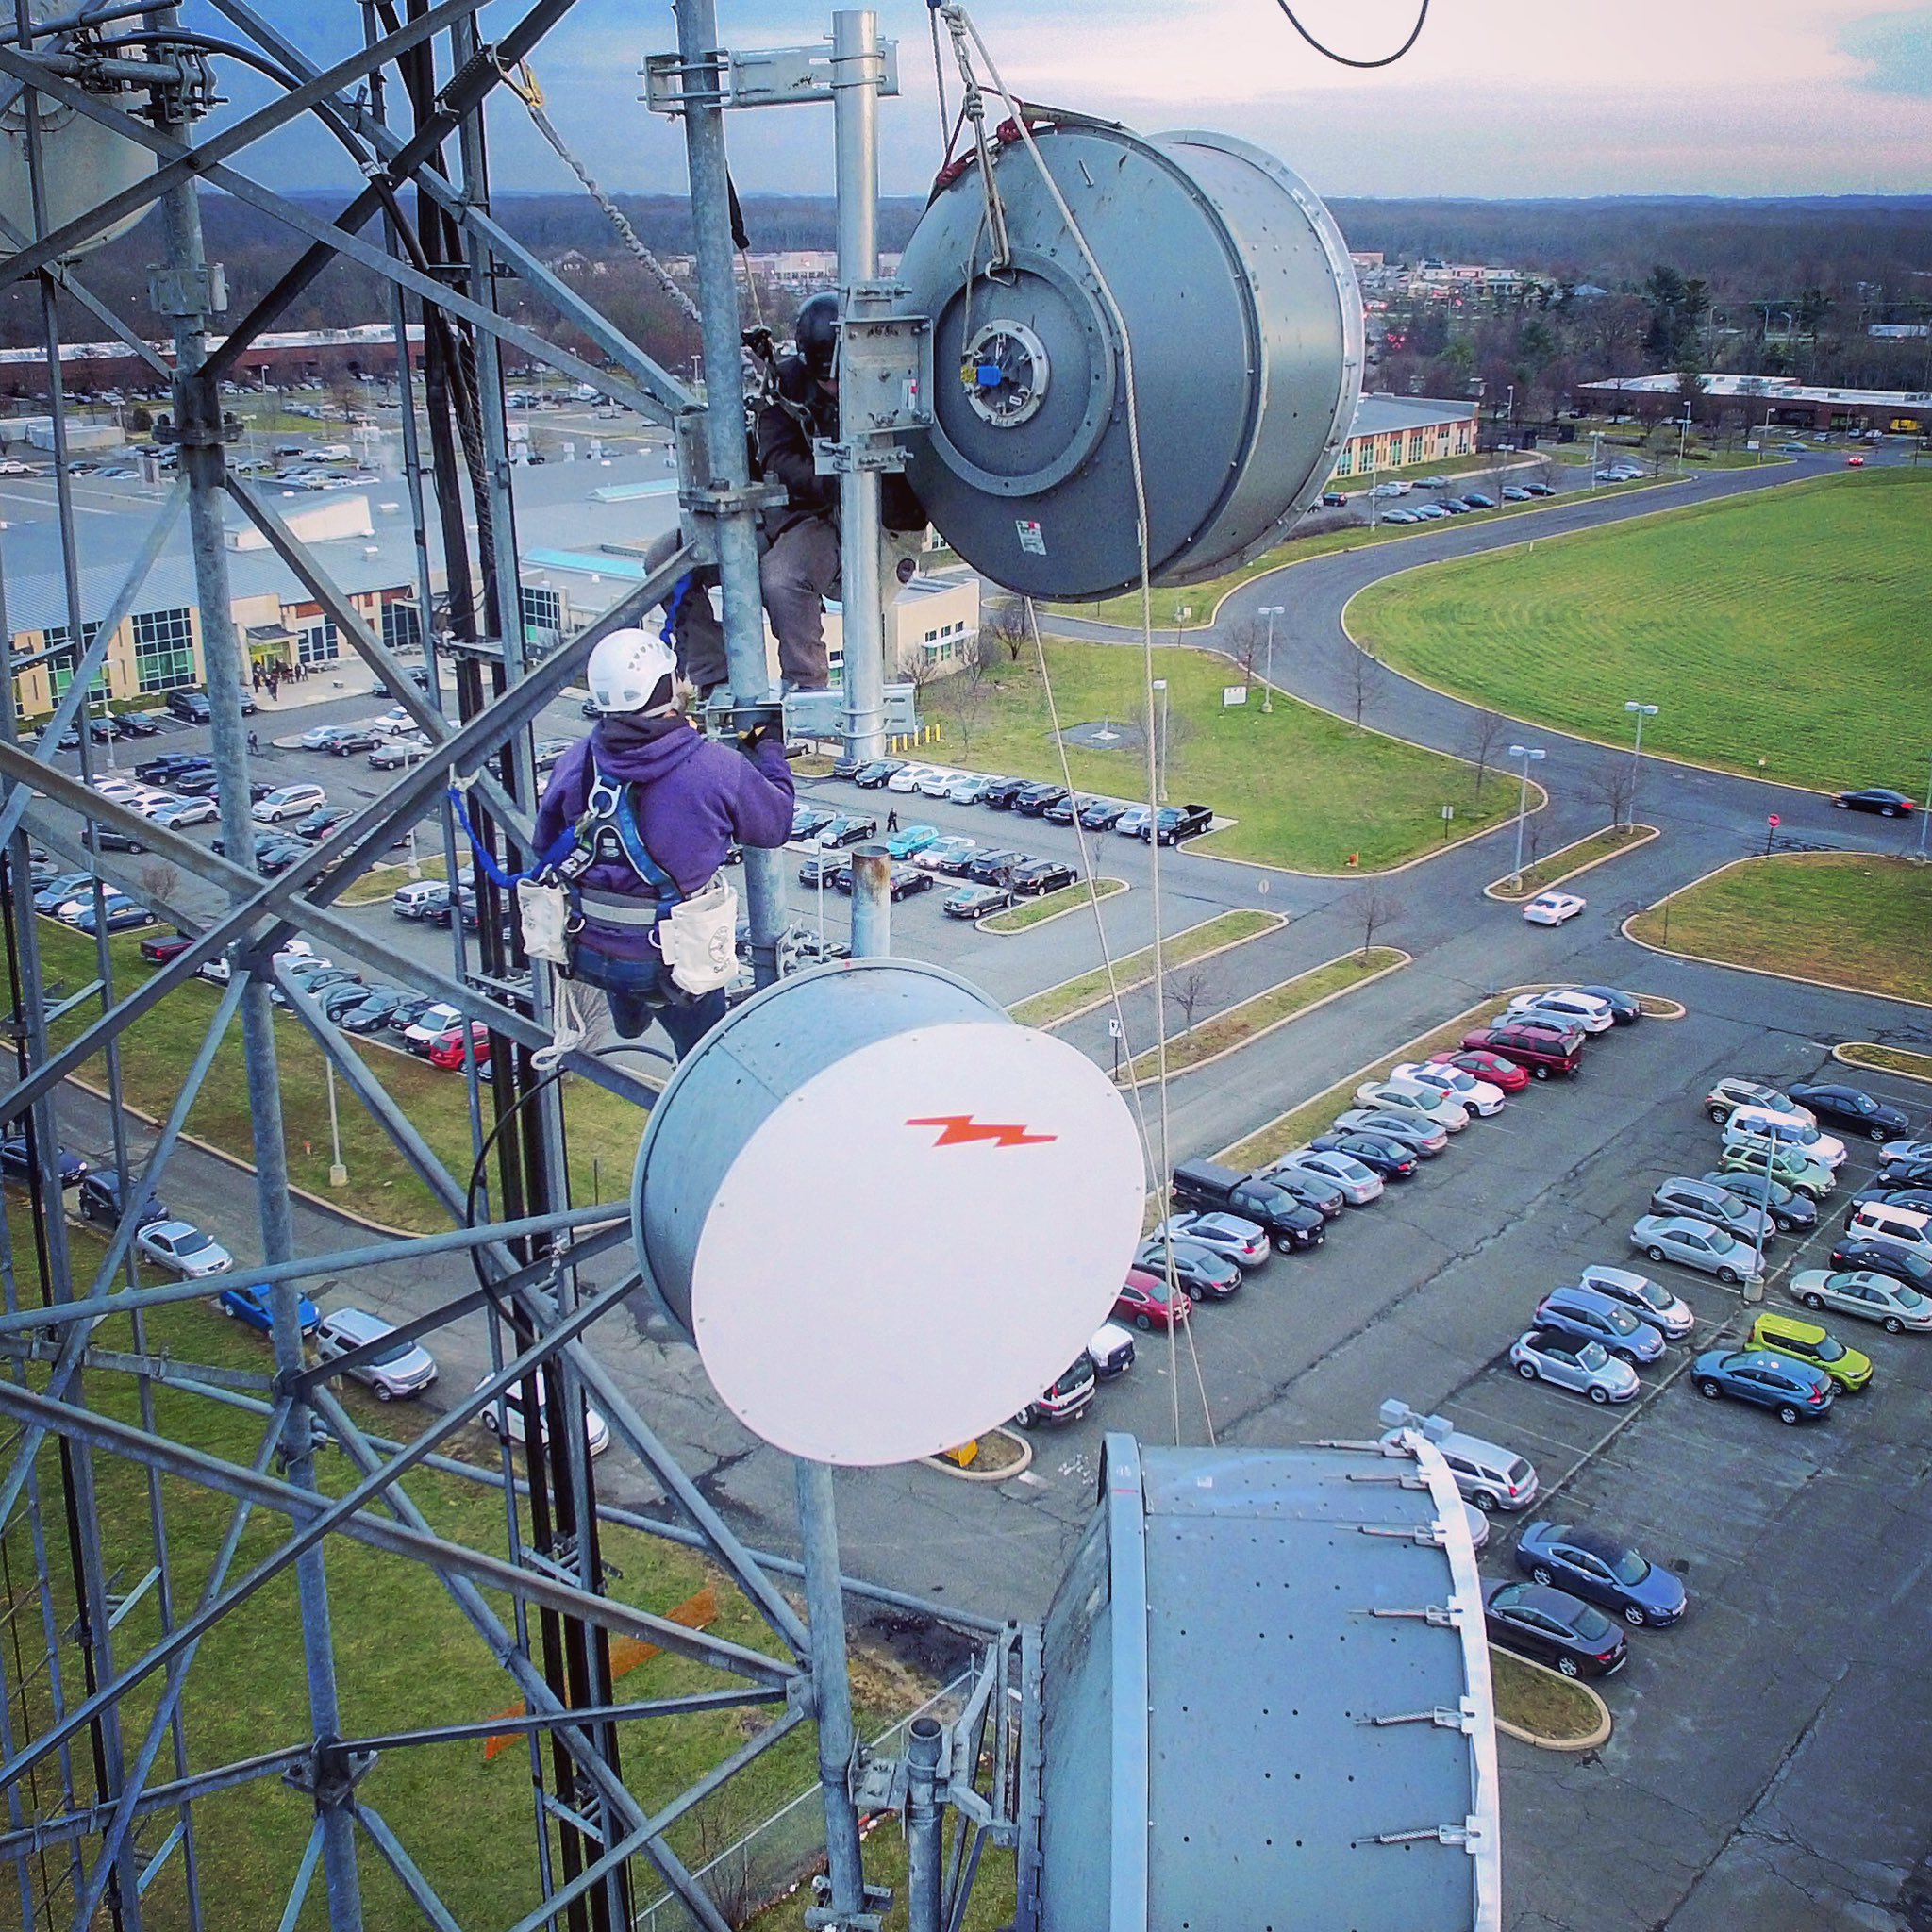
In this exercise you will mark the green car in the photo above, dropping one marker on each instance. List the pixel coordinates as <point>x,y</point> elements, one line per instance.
<point>1805,1341</point>
<point>1791,1165</point>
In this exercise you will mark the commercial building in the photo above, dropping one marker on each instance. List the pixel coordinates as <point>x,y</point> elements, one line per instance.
<point>1465,280</point>
<point>1780,401</point>
<point>1391,432</point>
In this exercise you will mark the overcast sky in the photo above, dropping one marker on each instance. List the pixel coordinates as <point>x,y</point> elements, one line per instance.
<point>1499,97</point>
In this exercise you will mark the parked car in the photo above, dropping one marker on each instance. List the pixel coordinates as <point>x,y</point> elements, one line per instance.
<point>1586,1315</point>
<point>1887,802</point>
<point>903,881</point>
<point>1568,1006</point>
<point>991,868</point>
<point>182,812</point>
<point>1514,493</point>
<point>430,1026</point>
<point>190,707</point>
<point>1110,1351</point>
<point>1543,1354</point>
<point>1476,500</point>
<point>1001,793</point>
<point>948,856</point>
<point>371,1013</point>
<point>1537,489</point>
<point>1065,810</point>
<point>970,788</point>
<point>975,902</point>
<point>117,912</point>
<point>1554,909</point>
<point>1143,1301</point>
<point>288,802</point>
<point>511,1412</point>
<point>1481,1098</point>
<point>937,783</point>
<point>1132,823</point>
<point>1625,1007</point>
<point>1206,1274</point>
<point>1552,1627</point>
<point>402,1368</point>
<point>408,748</point>
<point>871,777</point>
<point>1696,1244</point>
<point>1852,1106</point>
<point>807,822</point>
<point>1602,1570</point>
<point>1790,1213</point>
<point>1033,802</point>
<point>1311,1190</point>
<point>1648,1300</point>
<point>1233,1237</point>
<point>1905,1153</point>
<point>910,840</point>
<point>1101,814</point>
<point>1883,1258</point>
<point>1357,1183</point>
<point>1427,1103</point>
<point>183,1249</point>
<point>1422,1136</point>
<point>1794,1392</point>
<point>99,1200</point>
<point>1791,1167</point>
<point>1390,1160</point>
<point>71,1169</point>
<point>1212,1188</point>
<point>821,870</point>
<point>1879,1194</point>
<point>1487,1475</point>
<point>254,1306</point>
<point>1905,1227</point>
<point>1805,1341</point>
<point>1893,1303</point>
<point>1175,823</point>
<point>1040,876</point>
<point>1715,1205</point>
<point>848,829</point>
<point>446,1049</point>
<point>1540,1053</point>
<point>171,764</point>
<point>1064,1397</point>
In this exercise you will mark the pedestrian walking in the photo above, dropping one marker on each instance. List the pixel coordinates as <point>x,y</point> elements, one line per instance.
<point>255,742</point>
<point>891,821</point>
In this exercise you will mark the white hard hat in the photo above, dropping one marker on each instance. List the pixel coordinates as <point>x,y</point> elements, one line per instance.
<point>626,668</point>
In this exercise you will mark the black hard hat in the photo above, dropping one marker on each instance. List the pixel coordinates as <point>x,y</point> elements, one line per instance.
<point>816,331</point>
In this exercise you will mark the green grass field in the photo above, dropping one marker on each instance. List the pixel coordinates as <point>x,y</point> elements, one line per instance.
<point>1059,1003</point>
<point>1782,634</point>
<point>405,1657</point>
<point>1308,789</point>
<point>1840,916</point>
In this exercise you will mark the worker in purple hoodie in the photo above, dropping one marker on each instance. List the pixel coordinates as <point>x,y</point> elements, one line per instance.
<point>635,822</point>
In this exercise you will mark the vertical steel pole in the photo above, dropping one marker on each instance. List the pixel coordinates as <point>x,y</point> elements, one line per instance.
<point>735,521</point>
<point>1925,806</point>
<point>872,902</point>
<point>924,1844</point>
<point>858,70</point>
<point>1522,812</point>
<point>198,423</point>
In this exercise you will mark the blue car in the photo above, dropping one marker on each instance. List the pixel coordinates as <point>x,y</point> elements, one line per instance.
<point>1795,1391</point>
<point>1601,1569</point>
<point>57,892</point>
<point>910,838</point>
<point>251,1305</point>
<point>1592,1317</point>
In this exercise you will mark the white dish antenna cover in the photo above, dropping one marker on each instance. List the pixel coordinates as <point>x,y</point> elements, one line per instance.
<point>83,162</point>
<point>916,1241</point>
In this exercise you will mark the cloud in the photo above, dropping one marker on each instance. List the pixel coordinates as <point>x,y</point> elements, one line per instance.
<point>1895,50</point>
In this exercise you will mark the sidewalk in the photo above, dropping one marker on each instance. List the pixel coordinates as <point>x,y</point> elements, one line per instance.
<point>344,680</point>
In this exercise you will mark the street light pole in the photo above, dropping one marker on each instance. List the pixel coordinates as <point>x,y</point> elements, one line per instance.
<point>1270,611</point>
<point>1925,806</point>
<point>338,1173</point>
<point>1596,439</point>
<point>1160,743</point>
<point>1641,712</point>
<point>1529,755</point>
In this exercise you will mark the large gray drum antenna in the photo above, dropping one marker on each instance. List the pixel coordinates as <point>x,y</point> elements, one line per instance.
<point>1245,329</point>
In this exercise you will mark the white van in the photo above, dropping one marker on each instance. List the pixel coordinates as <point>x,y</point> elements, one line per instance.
<point>288,802</point>
<point>1909,1228</point>
<point>418,899</point>
<point>1790,1129</point>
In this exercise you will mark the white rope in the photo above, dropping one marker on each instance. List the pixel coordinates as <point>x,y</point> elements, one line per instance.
<point>957,17</point>
<point>570,1025</point>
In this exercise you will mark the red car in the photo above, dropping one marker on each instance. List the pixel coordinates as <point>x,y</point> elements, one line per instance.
<point>1143,1302</point>
<point>1855,462</point>
<point>161,947</point>
<point>1491,1067</point>
<point>446,1049</point>
<point>1537,1048</point>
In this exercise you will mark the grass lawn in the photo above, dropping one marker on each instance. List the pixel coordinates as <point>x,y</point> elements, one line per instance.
<point>1059,1003</point>
<point>1540,1701</point>
<point>1809,599</point>
<point>1051,905</point>
<point>1889,1060</point>
<point>1572,858</point>
<point>1846,917</point>
<point>1239,1025</point>
<point>1308,789</point>
<point>158,1048</point>
<point>405,1657</point>
<point>375,886</point>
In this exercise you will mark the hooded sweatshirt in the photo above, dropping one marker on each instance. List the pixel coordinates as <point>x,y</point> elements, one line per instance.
<point>694,798</point>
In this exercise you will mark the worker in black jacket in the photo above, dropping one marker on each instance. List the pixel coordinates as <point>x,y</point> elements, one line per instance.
<point>800,568</point>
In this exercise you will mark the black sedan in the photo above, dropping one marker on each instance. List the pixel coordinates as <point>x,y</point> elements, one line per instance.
<point>991,868</point>
<point>100,1200</point>
<point>820,871</point>
<point>848,829</point>
<point>848,768</point>
<point>372,1013</point>
<point>1102,815</point>
<point>1900,1174</point>
<point>808,823</point>
<point>1040,875</point>
<point>1883,1258</point>
<point>320,822</point>
<point>14,1161</point>
<point>871,777</point>
<point>1852,1106</point>
<point>1205,1275</point>
<point>1554,1628</point>
<point>1625,1007</point>
<point>904,880</point>
<point>1917,1199</point>
<point>1379,1154</point>
<point>1880,798</point>
<point>1791,1212</point>
<point>1601,1569</point>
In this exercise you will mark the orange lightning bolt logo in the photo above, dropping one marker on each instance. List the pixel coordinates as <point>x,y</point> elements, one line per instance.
<point>957,1129</point>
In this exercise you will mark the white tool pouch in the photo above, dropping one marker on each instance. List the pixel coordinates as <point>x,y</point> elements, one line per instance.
<point>698,939</point>
<point>544,914</point>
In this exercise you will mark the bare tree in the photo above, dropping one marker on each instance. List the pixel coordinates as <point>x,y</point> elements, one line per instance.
<point>345,395</point>
<point>1374,908</point>
<point>1361,679</point>
<point>1166,728</point>
<point>1613,781</point>
<point>1186,991</point>
<point>1483,736</point>
<point>967,694</point>
<point>158,882</point>
<point>1005,630</point>
<point>1244,640</point>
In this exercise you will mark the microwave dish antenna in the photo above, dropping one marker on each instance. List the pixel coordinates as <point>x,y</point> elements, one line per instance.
<point>988,1177</point>
<point>1245,326</point>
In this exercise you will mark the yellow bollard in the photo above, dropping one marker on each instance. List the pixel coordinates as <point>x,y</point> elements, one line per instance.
<point>966,1454</point>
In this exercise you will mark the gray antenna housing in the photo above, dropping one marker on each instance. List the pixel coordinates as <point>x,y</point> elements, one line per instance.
<point>1245,326</point>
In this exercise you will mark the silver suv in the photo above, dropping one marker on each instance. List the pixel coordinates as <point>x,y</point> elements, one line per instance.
<point>1488,1475</point>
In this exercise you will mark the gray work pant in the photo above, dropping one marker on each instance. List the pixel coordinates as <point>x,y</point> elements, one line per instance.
<point>798,572</point>
<point>699,637</point>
